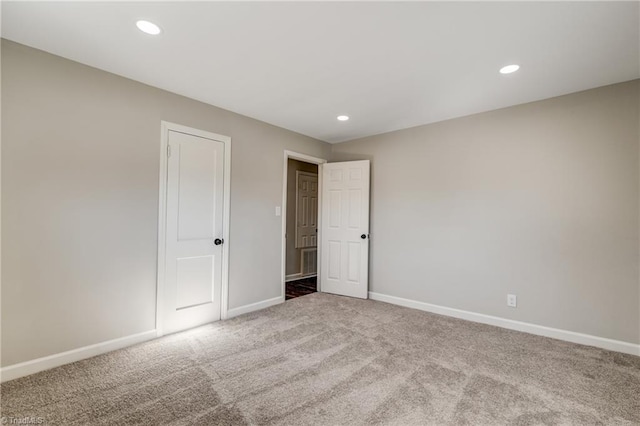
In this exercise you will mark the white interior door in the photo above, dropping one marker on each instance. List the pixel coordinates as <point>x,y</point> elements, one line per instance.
<point>344,259</point>
<point>194,231</point>
<point>306,209</point>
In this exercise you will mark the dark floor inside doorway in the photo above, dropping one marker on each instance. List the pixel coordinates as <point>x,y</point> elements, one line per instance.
<point>301,287</point>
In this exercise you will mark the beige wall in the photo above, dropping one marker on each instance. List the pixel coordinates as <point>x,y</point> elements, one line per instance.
<point>540,200</point>
<point>292,253</point>
<point>80,164</point>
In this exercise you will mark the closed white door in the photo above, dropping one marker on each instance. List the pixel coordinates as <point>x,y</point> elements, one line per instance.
<point>344,267</point>
<point>306,209</point>
<point>194,231</point>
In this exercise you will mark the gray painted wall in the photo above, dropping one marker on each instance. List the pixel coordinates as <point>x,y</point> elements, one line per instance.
<point>293,253</point>
<point>540,200</point>
<point>80,164</point>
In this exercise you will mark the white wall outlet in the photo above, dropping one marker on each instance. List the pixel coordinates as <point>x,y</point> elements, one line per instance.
<point>512,300</point>
<point>278,211</point>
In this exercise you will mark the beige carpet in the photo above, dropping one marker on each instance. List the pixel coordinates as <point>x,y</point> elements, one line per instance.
<point>329,360</point>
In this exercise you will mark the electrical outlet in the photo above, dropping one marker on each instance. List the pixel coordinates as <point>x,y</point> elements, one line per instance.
<point>512,300</point>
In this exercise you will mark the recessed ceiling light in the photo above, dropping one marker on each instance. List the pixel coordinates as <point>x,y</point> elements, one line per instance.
<point>148,27</point>
<point>342,117</point>
<point>509,69</point>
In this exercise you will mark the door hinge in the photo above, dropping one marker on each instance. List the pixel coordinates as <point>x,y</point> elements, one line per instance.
<point>168,150</point>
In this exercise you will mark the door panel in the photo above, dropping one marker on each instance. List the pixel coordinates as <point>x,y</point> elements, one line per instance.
<point>193,274</point>
<point>345,212</point>
<point>353,262</point>
<point>355,207</point>
<point>334,259</point>
<point>335,208</point>
<point>194,279</point>
<point>197,188</point>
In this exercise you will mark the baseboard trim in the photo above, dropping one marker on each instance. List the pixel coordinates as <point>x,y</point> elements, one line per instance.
<point>540,330</point>
<point>294,277</point>
<point>254,307</point>
<point>45,363</point>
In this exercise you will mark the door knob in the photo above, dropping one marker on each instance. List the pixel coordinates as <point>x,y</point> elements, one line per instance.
<point>218,241</point>
<point>363,236</point>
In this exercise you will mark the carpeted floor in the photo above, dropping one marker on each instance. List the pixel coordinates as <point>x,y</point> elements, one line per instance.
<point>330,360</point>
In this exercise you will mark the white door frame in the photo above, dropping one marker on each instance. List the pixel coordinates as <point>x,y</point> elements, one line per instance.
<point>162,215</point>
<point>307,159</point>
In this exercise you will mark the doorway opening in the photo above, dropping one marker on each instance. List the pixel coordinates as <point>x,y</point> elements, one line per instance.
<point>301,201</point>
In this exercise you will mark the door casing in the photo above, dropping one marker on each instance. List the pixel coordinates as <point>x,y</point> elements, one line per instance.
<point>307,159</point>
<point>165,127</point>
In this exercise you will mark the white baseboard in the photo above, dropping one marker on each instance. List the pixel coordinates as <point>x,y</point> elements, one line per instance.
<point>540,330</point>
<point>293,277</point>
<point>254,307</point>
<point>45,363</point>
<point>298,276</point>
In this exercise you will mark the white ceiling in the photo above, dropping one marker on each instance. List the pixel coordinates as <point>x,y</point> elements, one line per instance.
<point>387,65</point>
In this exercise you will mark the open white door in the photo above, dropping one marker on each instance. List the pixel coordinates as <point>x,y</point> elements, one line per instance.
<point>344,259</point>
<point>194,231</point>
